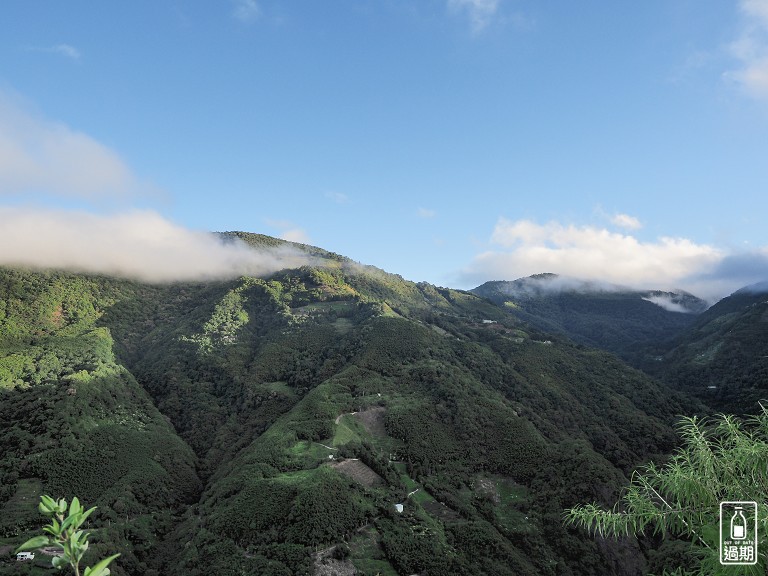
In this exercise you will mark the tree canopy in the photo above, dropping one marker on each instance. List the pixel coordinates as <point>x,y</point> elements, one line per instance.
<point>722,459</point>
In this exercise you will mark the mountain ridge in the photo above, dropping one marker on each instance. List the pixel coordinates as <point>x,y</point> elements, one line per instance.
<point>721,358</point>
<point>607,316</point>
<point>483,427</point>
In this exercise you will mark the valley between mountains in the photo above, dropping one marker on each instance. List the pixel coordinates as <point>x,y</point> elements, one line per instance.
<point>338,419</point>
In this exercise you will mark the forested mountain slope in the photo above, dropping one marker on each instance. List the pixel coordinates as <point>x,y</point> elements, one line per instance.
<point>620,320</point>
<point>245,426</point>
<point>723,357</point>
<point>74,421</point>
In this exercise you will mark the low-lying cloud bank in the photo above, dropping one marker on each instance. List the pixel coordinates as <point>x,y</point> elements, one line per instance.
<point>43,159</point>
<point>140,245</point>
<point>668,302</point>
<point>523,247</point>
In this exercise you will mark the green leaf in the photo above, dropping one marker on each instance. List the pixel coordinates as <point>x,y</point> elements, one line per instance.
<point>59,562</point>
<point>87,513</point>
<point>72,519</point>
<point>34,543</point>
<point>100,569</point>
<point>53,528</point>
<point>74,506</point>
<point>47,505</point>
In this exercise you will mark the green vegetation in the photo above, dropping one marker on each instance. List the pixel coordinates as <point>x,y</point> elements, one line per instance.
<point>624,322</point>
<point>722,358</point>
<point>367,554</point>
<point>723,459</point>
<point>200,418</point>
<point>64,533</point>
<point>75,421</point>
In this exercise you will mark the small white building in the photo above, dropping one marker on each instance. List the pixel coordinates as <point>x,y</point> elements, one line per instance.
<point>399,508</point>
<point>24,556</point>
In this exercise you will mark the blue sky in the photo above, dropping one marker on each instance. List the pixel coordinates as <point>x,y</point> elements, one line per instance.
<point>452,141</point>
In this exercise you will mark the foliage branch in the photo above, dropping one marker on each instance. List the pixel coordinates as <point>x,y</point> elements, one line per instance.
<point>64,532</point>
<point>721,459</point>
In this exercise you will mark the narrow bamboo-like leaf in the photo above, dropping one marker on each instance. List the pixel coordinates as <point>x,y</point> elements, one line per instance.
<point>74,506</point>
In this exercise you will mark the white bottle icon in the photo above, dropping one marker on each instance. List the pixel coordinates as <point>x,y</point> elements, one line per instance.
<point>738,525</point>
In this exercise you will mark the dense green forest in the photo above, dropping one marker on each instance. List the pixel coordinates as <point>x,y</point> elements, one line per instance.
<point>723,357</point>
<point>271,425</point>
<point>719,355</point>
<point>75,421</point>
<point>623,321</point>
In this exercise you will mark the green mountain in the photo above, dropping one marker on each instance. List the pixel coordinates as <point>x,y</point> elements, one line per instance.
<point>74,420</point>
<point>331,417</point>
<point>606,316</point>
<point>723,357</point>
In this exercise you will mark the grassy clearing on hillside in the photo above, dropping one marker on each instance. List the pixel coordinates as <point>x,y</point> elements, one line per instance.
<point>705,357</point>
<point>367,554</point>
<point>347,430</point>
<point>319,309</point>
<point>296,477</point>
<point>410,483</point>
<point>359,472</point>
<point>313,450</point>
<point>343,325</point>
<point>416,490</point>
<point>24,502</point>
<point>509,502</point>
<point>372,420</point>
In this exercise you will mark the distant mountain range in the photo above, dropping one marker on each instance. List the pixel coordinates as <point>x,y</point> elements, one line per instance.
<point>722,357</point>
<point>718,354</point>
<point>615,318</point>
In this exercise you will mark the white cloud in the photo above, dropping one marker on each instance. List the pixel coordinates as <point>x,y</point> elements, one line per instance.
<point>39,156</point>
<point>667,302</point>
<point>141,245</point>
<point>480,12</point>
<point>526,248</point>
<point>289,231</point>
<point>751,48</point>
<point>246,10</point>
<point>67,50</point>
<point>426,213</point>
<point>337,197</point>
<point>295,235</point>
<point>626,221</point>
<point>63,49</point>
<point>757,9</point>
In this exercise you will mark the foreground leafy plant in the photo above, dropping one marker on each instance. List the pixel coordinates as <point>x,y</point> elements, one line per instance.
<point>723,459</point>
<point>64,532</point>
